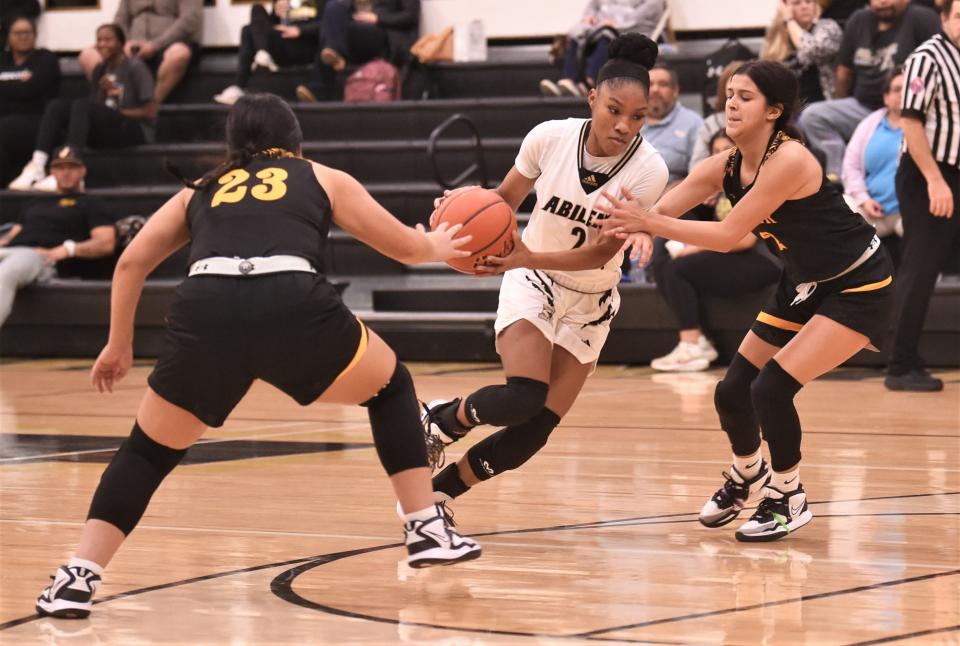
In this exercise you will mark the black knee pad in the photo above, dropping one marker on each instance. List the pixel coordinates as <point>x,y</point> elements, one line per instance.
<point>772,394</point>
<point>517,401</point>
<point>128,482</point>
<point>510,447</point>
<point>735,408</point>
<point>395,421</point>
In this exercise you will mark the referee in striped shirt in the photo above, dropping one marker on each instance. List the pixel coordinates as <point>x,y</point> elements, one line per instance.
<point>928,187</point>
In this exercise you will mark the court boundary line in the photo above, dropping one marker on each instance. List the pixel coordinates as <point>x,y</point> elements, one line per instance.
<point>896,638</point>
<point>323,559</point>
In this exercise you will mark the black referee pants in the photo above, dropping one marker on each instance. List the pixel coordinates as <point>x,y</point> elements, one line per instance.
<point>927,244</point>
<point>84,122</point>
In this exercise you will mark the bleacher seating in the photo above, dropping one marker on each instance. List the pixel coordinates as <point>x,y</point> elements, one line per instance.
<point>427,313</point>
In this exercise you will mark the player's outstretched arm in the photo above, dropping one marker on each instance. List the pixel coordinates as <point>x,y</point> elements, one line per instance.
<point>165,232</point>
<point>588,256</point>
<point>790,171</point>
<point>705,180</point>
<point>357,213</point>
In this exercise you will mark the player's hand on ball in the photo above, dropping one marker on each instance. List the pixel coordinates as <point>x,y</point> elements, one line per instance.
<point>439,200</point>
<point>624,215</point>
<point>112,365</point>
<point>518,256</point>
<point>444,241</point>
<point>642,247</point>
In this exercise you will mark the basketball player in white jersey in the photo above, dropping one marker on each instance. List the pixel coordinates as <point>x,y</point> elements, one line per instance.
<point>559,292</point>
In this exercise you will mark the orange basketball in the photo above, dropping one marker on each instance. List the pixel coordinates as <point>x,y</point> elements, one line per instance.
<point>484,216</point>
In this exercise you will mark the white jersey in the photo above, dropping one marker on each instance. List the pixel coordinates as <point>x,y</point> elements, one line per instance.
<point>565,216</point>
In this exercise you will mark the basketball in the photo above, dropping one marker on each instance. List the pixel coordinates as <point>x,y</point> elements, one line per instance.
<point>484,216</point>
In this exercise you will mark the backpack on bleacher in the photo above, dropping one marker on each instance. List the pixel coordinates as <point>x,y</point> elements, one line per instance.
<point>377,81</point>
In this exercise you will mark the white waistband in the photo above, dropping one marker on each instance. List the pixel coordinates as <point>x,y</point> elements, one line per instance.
<point>222,266</point>
<point>805,289</point>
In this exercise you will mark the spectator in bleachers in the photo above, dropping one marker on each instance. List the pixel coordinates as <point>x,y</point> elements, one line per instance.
<point>29,78</point>
<point>875,40</point>
<point>806,43</point>
<point>870,166</point>
<point>55,233</point>
<point>587,41</point>
<point>716,122</point>
<point>358,31</point>
<point>840,10</point>
<point>119,111</point>
<point>687,273</point>
<point>288,35</point>
<point>11,10</point>
<point>670,127</point>
<point>164,34</point>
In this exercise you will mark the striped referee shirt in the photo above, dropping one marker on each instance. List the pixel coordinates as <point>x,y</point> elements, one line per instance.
<point>931,93</point>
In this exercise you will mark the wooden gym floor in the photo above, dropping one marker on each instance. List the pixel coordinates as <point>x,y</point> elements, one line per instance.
<point>280,527</point>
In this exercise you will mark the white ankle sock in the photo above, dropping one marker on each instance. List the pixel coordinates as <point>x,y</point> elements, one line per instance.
<point>40,158</point>
<point>84,563</point>
<point>748,466</point>
<point>787,481</point>
<point>424,514</point>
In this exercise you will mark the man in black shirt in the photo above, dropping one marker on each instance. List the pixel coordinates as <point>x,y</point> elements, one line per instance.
<point>875,40</point>
<point>55,231</point>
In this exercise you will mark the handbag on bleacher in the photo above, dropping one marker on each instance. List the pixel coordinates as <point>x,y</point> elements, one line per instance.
<point>431,48</point>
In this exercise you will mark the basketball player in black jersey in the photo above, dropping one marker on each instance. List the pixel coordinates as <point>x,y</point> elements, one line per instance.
<point>256,307</point>
<point>833,299</point>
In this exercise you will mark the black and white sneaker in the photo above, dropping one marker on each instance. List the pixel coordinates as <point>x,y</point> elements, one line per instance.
<point>726,503</point>
<point>433,422</point>
<point>431,542</point>
<point>778,514</point>
<point>441,500</point>
<point>70,596</point>
<point>438,435</point>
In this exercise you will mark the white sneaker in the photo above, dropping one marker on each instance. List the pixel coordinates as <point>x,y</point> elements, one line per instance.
<point>263,59</point>
<point>736,492</point>
<point>568,87</point>
<point>229,96</point>
<point>48,185</point>
<point>779,514</point>
<point>70,595</point>
<point>432,542</point>
<point>30,175</point>
<point>686,357</point>
<point>549,88</point>
<point>709,352</point>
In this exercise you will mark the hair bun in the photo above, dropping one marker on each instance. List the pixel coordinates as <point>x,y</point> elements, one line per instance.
<point>635,48</point>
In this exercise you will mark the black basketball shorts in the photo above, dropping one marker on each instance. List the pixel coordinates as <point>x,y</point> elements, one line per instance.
<point>861,300</point>
<point>289,329</point>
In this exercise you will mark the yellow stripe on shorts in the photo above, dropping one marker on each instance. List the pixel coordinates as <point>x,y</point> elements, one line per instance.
<point>777,322</point>
<point>870,287</point>
<point>361,350</point>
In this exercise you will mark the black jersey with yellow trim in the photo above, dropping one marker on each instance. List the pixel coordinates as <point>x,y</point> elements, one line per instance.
<point>817,236</point>
<point>273,205</point>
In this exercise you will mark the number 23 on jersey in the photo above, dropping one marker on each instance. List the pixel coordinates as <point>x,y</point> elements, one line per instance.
<point>272,186</point>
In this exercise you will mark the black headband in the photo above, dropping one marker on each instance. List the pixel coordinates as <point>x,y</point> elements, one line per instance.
<point>621,68</point>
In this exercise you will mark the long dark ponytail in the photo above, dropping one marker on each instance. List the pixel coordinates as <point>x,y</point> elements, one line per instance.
<point>258,124</point>
<point>779,87</point>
